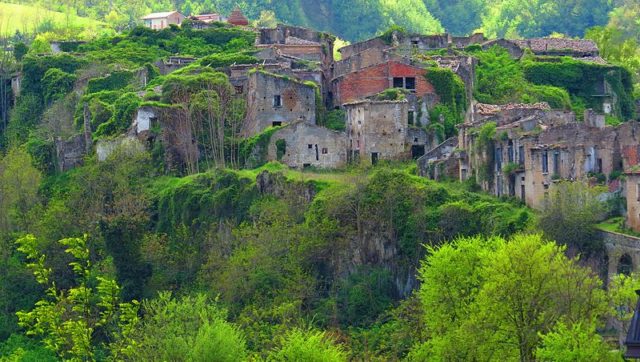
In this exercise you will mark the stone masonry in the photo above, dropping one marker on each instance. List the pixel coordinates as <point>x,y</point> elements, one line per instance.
<point>274,100</point>
<point>301,145</point>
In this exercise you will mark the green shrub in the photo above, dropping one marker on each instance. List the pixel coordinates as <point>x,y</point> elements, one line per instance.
<point>335,120</point>
<point>309,346</point>
<point>114,81</point>
<point>125,107</point>
<point>56,84</point>
<point>364,295</point>
<point>392,94</point>
<point>281,149</point>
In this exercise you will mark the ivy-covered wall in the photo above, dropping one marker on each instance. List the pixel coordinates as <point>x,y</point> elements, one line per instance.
<point>585,82</point>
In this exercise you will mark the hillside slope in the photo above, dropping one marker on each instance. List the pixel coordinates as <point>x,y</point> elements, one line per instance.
<point>26,19</point>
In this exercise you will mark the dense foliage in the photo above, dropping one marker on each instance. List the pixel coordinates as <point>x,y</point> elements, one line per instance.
<point>156,248</point>
<point>357,20</point>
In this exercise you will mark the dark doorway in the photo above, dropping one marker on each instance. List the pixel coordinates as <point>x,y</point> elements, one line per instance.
<point>317,156</point>
<point>522,193</point>
<point>374,158</point>
<point>417,151</point>
<point>625,265</point>
<point>512,185</point>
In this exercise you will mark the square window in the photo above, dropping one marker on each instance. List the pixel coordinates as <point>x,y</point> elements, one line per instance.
<point>398,82</point>
<point>410,83</point>
<point>325,151</point>
<point>238,89</point>
<point>309,146</point>
<point>277,101</point>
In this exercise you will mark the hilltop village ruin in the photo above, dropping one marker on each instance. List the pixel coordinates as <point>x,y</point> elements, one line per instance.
<point>386,88</point>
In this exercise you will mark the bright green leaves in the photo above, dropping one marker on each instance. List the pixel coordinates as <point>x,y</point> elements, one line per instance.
<point>67,320</point>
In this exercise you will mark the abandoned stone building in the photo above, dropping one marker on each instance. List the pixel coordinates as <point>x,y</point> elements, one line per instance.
<point>380,130</point>
<point>409,43</point>
<point>239,73</point>
<point>301,145</point>
<point>372,80</point>
<point>298,42</point>
<point>531,149</point>
<point>274,100</point>
<point>581,49</point>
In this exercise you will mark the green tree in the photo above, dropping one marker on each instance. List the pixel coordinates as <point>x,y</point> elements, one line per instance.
<point>569,213</point>
<point>188,329</point>
<point>20,50</point>
<point>19,183</point>
<point>536,18</point>
<point>496,298</point>
<point>458,17</point>
<point>312,346</point>
<point>578,342</point>
<point>70,321</point>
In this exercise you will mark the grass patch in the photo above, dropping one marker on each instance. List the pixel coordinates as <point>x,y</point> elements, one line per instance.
<point>26,18</point>
<point>616,225</point>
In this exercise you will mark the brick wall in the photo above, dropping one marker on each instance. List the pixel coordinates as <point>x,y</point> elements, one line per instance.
<point>370,81</point>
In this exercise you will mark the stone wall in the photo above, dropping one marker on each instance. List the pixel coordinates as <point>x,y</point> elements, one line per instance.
<point>377,130</point>
<point>364,59</point>
<point>297,102</point>
<point>355,48</point>
<point>145,119</point>
<point>104,148</point>
<point>633,200</point>
<point>70,153</point>
<point>617,246</point>
<point>308,145</point>
<point>440,152</point>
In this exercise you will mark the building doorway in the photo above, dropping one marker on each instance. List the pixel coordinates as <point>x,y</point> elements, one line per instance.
<point>374,158</point>
<point>417,151</point>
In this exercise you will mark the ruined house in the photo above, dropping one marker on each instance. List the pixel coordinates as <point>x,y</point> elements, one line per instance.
<point>581,49</point>
<point>301,145</point>
<point>173,63</point>
<point>298,42</point>
<point>372,80</point>
<point>239,73</point>
<point>380,130</point>
<point>274,100</point>
<point>408,43</point>
<point>532,148</point>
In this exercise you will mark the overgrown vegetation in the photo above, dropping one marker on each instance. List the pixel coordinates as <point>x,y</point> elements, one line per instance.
<point>199,250</point>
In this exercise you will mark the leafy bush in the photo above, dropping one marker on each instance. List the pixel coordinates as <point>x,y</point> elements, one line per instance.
<point>309,346</point>
<point>364,295</point>
<point>125,107</point>
<point>335,120</point>
<point>56,84</point>
<point>114,81</point>
<point>225,59</point>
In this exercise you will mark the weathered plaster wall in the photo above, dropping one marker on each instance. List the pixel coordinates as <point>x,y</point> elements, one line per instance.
<point>377,127</point>
<point>298,102</point>
<point>309,145</point>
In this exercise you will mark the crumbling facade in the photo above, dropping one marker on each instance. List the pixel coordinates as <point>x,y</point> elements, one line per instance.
<point>375,79</point>
<point>529,149</point>
<point>377,130</point>
<point>274,100</point>
<point>300,145</point>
